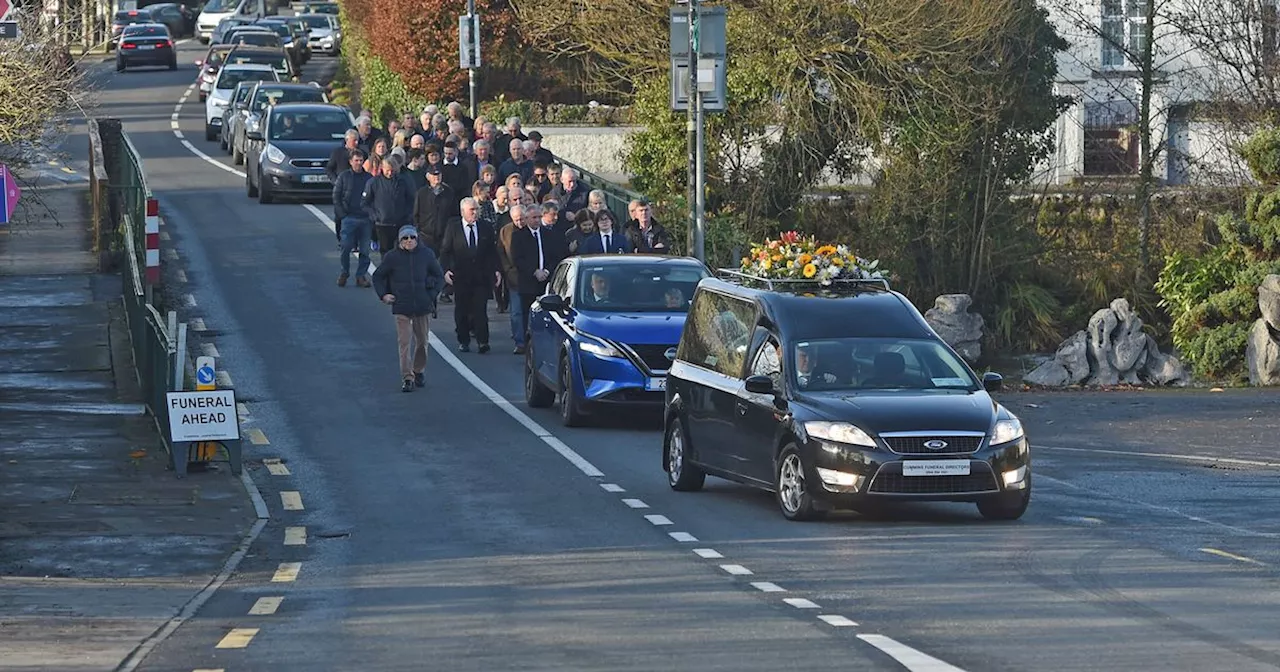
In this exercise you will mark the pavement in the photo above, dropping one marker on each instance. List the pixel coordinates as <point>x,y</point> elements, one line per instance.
<point>100,545</point>
<point>455,528</point>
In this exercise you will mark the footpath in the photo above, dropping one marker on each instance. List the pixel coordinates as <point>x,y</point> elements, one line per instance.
<point>100,544</point>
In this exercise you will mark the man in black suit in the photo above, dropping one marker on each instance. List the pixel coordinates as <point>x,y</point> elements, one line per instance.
<point>536,251</point>
<point>469,255</point>
<point>433,206</point>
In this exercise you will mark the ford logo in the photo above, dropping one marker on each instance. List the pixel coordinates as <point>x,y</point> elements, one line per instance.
<point>670,354</point>
<point>935,444</point>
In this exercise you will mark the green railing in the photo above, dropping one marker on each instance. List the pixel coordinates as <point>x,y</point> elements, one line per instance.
<point>154,347</point>
<point>130,183</point>
<point>616,197</point>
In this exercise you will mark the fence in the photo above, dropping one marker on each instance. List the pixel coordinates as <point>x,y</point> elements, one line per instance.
<point>616,197</point>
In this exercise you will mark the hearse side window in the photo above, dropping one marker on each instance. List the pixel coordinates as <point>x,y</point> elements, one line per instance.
<point>768,363</point>
<point>719,334</point>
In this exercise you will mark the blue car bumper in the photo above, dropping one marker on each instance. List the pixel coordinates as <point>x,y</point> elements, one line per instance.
<point>616,380</point>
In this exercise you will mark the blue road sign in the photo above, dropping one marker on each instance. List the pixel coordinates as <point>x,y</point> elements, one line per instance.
<point>204,375</point>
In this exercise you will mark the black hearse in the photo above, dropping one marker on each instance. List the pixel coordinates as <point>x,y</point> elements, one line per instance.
<point>835,397</point>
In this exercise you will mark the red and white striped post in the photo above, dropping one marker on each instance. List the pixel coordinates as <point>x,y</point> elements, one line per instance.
<point>153,241</point>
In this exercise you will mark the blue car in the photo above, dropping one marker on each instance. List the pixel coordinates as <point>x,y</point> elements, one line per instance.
<point>606,333</point>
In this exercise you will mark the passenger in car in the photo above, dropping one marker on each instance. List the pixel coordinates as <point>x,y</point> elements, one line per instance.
<point>674,299</point>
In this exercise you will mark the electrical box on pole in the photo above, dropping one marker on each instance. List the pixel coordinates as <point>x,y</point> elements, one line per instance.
<point>468,42</point>
<point>712,57</point>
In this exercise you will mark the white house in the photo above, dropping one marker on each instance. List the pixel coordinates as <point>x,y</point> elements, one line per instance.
<point>1097,137</point>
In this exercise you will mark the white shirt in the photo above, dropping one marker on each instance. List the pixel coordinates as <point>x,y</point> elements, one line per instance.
<point>469,229</point>
<point>605,239</point>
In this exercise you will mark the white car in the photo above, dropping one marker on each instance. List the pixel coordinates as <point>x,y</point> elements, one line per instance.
<point>216,10</point>
<point>323,33</point>
<point>220,93</point>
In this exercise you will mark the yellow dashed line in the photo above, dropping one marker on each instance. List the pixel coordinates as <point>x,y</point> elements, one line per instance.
<point>265,606</point>
<point>238,638</point>
<point>1232,556</point>
<point>277,468</point>
<point>291,500</point>
<point>68,170</point>
<point>256,437</point>
<point>287,572</point>
<point>295,536</point>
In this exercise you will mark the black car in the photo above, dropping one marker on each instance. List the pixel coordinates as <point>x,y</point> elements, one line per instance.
<point>227,25</point>
<point>264,95</point>
<point>288,41</point>
<point>832,398</point>
<point>178,18</point>
<point>125,18</point>
<point>298,29</point>
<point>253,36</point>
<point>146,44</point>
<point>287,154</point>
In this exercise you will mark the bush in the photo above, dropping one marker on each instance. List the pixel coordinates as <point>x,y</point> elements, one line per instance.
<point>1262,154</point>
<point>533,112</point>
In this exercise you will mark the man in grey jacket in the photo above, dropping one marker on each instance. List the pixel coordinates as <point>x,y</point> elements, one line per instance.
<point>408,280</point>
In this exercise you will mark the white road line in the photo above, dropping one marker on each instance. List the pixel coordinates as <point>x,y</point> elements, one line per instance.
<point>736,570</point>
<point>910,658</point>
<point>801,603</point>
<point>612,487</point>
<point>277,468</point>
<point>223,379</point>
<point>238,638</point>
<point>287,572</point>
<point>295,536</point>
<point>1232,556</point>
<point>837,621</point>
<point>768,587</point>
<point>682,536</point>
<point>189,300</point>
<point>291,500</point>
<point>197,324</point>
<point>210,350</point>
<point>707,553</point>
<point>180,274</point>
<point>242,410</point>
<point>265,606</point>
<point>658,520</point>
<point>635,503</point>
<point>1167,456</point>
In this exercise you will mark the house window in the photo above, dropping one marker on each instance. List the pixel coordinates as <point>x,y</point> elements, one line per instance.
<point>1123,32</point>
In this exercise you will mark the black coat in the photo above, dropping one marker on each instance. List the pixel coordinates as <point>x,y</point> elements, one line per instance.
<point>470,267</point>
<point>388,200</point>
<point>348,194</point>
<point>524,252</point>
<point>644,243</point>
<point>431,211</point>
<point>339,160</point>
<point>459,177</point>
<point>414,278</point>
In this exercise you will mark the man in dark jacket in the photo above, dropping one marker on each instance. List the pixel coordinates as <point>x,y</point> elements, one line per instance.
<point>416,168</point>
<point>456,172</point>
<point>536,252</point>
<point>338,158</point>
<point>469,255</point>
<point>433,206</point>
<point>389,202</point>
<point>571,194</point>
<point>353,225</point>
<point>645,233</point>
<point>408,280</point>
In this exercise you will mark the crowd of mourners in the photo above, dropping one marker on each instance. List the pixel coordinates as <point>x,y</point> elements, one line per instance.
<point>462,213</point>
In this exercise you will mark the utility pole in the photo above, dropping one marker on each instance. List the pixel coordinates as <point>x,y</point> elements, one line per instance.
<point>697,242</point>
<point>474,25</point>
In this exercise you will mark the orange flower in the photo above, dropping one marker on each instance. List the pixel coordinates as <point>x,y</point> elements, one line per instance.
<point>826,250</point>
<point>804,259</point>
<point>810,270</point>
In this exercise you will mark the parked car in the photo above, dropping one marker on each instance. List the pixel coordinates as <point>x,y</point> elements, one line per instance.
<point>287,155</point>
<point>146,44</point>
<point>254,36</point>
<point>264,95</point>
<point>835,398</point>
<point>587,353</point>
<point>127,18</point>
<point>219,98</point>
<point>324,34</point>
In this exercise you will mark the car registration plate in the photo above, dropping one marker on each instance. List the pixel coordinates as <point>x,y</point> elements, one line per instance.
<point>315,178</point>
<point>656,384</point>
<point>935,468</point>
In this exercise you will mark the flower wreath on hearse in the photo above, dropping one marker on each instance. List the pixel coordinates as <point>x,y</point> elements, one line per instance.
<point>791,256</point>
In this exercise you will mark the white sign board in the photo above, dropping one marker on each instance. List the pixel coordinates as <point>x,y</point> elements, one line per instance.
<point>468,41</point>
<point>203,416</point>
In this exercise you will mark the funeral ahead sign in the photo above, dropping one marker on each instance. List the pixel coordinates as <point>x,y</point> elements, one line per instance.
<point>203,416</point>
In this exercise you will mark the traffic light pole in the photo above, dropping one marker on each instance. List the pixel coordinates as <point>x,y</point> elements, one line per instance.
<point>471,72</point>
<point>697,242</point>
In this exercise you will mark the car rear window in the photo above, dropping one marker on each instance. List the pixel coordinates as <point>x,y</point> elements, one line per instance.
<point>133,16</point>
<point>256,39</point>
<point>280,62</point>
<point>289,95</point>
<point>146,31</point>
<point>229,78</point>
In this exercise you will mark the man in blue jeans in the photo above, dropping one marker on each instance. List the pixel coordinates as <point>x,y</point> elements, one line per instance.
<point>354,227</point>
<point>510,275</point>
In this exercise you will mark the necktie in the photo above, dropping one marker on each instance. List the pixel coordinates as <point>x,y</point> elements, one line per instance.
<point>471,236</point>
<point>608,241</point>
<point>537,237</point>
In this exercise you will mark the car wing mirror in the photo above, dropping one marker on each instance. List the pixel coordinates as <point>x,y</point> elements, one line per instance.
<point>759,385</point>
<point>554,303</point>
<point>992,381</point>
<point>253,135</point>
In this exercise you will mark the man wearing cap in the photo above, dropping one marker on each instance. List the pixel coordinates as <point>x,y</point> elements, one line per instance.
<point>434,205</point>
<point>541,155</point>
<point>408,280</point>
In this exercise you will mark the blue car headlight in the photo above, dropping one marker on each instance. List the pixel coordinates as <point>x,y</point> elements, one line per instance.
<point>597,346</point>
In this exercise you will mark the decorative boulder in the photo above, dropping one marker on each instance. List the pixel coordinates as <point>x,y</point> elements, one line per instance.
<point>1113,350</point>
<point>956,326</point>
<point>1269,300</point>
<point>1262,355</point>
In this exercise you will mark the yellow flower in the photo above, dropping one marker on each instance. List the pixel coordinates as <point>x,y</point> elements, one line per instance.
<point>810,270</point>
<point>777,258</point>
<point>766,264</point>
<point>804,259</point>
<point>791,263</point>
<point>826,250</point>
<point>837,261</point>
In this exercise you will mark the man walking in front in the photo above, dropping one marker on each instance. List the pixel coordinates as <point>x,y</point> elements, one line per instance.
<point>354,228</point>
<point>468,252</point>
<point>408,280</point>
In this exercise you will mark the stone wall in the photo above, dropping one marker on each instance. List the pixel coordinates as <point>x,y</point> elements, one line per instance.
<point>1262,356</point>
<point>595,148</point>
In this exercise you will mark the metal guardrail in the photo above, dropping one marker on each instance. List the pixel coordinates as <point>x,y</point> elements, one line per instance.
<point>616,197</point>
<point>154,346</point>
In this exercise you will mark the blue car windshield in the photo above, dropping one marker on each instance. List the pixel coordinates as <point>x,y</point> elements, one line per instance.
<point>661,287</point>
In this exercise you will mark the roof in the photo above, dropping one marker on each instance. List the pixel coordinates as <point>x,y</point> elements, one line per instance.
<point>628,259</point>
<point>248,66</point>
<point>309,105</point>
<point>287,86</point>
<point>803,313</point>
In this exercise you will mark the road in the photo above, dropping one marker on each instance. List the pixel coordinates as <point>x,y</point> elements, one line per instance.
<point>456,528</point>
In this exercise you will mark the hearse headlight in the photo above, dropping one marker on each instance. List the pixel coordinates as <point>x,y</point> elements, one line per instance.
<point>1006,430</point>
<point>839,432</point>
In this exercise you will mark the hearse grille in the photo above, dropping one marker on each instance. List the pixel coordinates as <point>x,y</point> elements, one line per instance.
<point>917,445</point>
<point>890,481</point>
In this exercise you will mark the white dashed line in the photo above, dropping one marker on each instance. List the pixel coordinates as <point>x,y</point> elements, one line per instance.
<point>295,536</point>
<point>224,379</point>
<point>658,520</point>
<point>836,620</point>
<point>287,572</point>
<point>189,300</point>
<point>265,606</point>
<point>910,658</point>
<point>291,500</point>
<point>736,570</point>
<point>170,254</point>
<point>242,410</point>
<point>635,503</point>
<point>210,350</point>
<point>612,487</point>
<point>197,324</point>
<point>768,587</point>
<point>707,553</point>
<point>801,603</point>
<point>682,537</point>
<point>238,638</point>
<point>276,467</point>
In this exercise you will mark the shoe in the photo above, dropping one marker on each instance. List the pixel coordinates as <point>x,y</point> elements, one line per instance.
<point>362,281</point>
<point>419,379</point>
<point>407,386</point>
<point>464,347</point>
<point>519,350</point>
<point>342,280</point>
<point>484,347</point>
